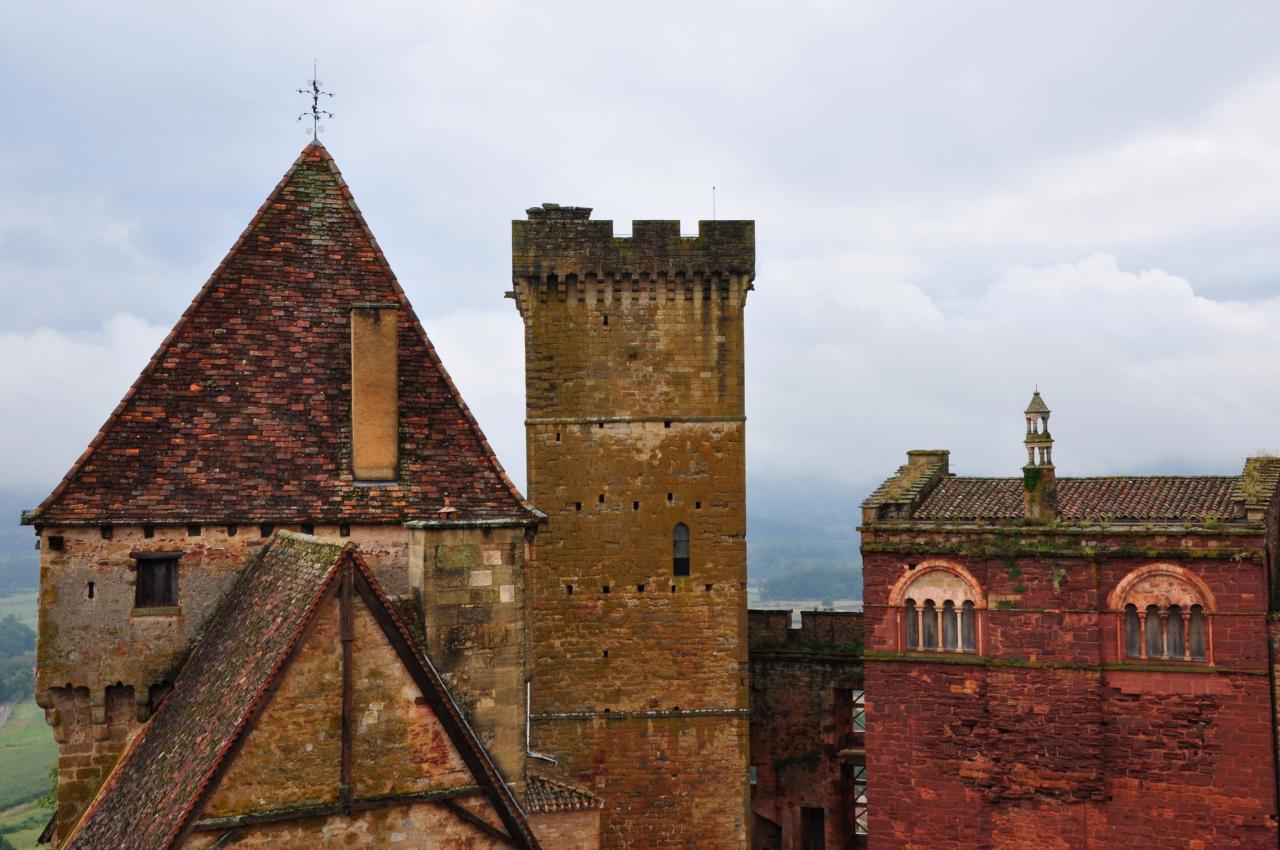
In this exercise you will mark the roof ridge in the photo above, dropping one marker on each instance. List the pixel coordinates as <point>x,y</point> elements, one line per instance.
<point>154,362</point>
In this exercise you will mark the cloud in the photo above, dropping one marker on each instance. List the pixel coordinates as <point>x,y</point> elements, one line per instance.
<point>850,364</point>
<point>59,387</point>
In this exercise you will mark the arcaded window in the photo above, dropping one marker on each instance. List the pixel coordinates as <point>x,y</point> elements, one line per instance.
<point>938,609</point>
<point>1163,615</point>
<point>680,550</point>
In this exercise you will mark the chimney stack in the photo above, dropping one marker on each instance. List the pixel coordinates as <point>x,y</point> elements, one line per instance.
<point>375,441</point>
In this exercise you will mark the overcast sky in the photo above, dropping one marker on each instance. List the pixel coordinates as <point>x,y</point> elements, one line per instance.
<point>955,202</point>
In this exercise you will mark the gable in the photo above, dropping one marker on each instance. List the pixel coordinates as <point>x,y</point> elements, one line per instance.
<point>246,738</point>
<point>292,755</point>
<point>244,413</point>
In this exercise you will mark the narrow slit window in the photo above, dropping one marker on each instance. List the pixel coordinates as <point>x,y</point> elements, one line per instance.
<point>90,590</point>
<point>680,550</point>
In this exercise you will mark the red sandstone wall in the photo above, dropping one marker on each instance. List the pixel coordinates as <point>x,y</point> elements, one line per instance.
<point>1058,742</point>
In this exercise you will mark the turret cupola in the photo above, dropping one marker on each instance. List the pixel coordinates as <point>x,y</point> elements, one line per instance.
<point>1040,489</point>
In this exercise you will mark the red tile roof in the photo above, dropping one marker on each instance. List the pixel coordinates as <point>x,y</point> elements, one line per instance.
<point>159,782</point>
<point>1138,498</point>
<point>244,412</point>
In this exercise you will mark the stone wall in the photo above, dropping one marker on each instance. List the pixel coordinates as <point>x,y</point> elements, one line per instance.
<point>1050,737</point>
<point>470,583</point>
<point>805,747</point>
<point>669,780</point>
<point>97,653</point>
<point>633,351</point>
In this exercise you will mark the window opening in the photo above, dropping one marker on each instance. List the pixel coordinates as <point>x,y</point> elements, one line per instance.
<point>148,531</point>
<point>929,626</point>
<point>639,588</point>
<point>604,589</point>
<point>90,590</point>
<point>1197,639</point>
<point>232,530</point>
<point>157,581</point>
<point>1155,641</point>
<point>193,530</point>
<point>950,626</point>
<point>307,528</point>
<point>635,506</point>
<point>602,498</point>
<point>56,542</point>
<point>568,589</point>
<point>344,529</point>
<point>680,550</point>
<point>106,532</point>
<point>913,625</point>
<point>266,530</point>
<point>968,627</point>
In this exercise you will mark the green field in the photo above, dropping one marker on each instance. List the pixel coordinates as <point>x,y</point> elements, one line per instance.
<point>22,604</point>
<point>26,751</point>
<point>23,824</point>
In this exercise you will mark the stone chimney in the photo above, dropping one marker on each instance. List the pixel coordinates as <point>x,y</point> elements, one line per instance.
<point>1039,482</point>
<point>375,442</point>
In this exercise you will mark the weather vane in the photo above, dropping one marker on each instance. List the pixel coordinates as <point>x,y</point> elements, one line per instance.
<point>313,89</point>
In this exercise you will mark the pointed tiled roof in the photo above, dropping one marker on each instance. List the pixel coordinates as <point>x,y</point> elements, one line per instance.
<point>159,782</point>
<point>244,413</point>
<point>1037,404</point>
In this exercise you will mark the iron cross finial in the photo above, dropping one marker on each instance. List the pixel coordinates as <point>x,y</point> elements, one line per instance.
<point>313,89</point>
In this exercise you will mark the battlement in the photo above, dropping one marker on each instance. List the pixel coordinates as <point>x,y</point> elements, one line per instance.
<point>558,241</point>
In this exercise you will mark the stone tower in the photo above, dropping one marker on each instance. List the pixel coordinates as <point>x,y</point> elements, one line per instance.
<point>635,432</point>
<point>1040,486</point>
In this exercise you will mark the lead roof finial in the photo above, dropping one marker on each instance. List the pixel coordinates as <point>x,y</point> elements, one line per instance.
<point>313,88</point>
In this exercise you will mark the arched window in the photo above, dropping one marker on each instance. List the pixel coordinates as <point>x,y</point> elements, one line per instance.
<point>938,609</point>
<point>680,550</point>
<point>1199,634</point>
<point>1163,614</point>
<point>1132,632</point>
<point>929,626</point>
<point>950,626</point>
<point>968,627</point>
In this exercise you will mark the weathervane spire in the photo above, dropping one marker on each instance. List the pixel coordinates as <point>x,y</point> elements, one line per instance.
<point>313,89</point>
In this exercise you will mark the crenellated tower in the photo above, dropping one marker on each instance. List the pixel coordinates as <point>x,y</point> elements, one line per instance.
<point>635,433</point>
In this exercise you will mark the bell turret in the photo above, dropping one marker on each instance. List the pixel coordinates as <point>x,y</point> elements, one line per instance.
<point>1040,487</point>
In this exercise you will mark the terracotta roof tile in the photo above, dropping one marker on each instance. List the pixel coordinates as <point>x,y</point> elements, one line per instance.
<point>1138,498</point>
<point>244,412</point>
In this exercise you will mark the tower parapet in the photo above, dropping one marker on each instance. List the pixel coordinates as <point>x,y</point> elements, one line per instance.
<point>560,252</point>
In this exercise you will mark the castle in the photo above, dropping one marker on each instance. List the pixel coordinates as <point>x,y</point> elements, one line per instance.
<point>289,597</point>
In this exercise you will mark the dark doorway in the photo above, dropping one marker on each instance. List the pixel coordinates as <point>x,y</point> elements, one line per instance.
<point>813,829</point>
